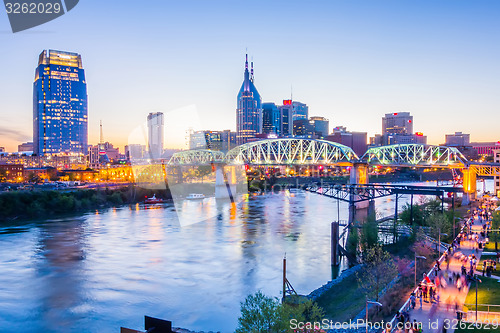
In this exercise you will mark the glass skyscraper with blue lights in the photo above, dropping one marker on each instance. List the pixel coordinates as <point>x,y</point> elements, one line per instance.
<point>59,105</point>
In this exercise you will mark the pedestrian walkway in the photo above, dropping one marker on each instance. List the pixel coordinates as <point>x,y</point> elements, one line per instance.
<point>491,277</point>
<point>433,315</point>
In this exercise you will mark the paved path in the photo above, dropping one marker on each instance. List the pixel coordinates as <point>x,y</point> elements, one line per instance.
<point>432,316</point>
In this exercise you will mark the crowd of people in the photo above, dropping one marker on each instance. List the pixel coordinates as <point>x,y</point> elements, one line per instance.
<point>431,287</point>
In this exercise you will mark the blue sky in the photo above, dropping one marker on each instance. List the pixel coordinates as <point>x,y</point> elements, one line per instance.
<point>350,61</point>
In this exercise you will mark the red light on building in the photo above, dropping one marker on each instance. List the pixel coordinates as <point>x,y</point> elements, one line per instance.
<point>395,114</point>
<point>419,134</point>
<point>287,102</point>
<point>409,121</point>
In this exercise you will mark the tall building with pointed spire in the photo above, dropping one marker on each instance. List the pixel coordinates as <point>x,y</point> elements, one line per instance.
<point>249,109</point>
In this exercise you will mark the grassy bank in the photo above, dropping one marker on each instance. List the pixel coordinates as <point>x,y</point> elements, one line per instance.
<point>41,204</point>
<point>488,292</point>
<point>343,301</point>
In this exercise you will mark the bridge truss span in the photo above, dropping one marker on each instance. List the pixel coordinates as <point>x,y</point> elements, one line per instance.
<point>365,192</point>
<point>486,169</point>
<point>290,151</point>
<point>417,155</point>
<point>196,157</point>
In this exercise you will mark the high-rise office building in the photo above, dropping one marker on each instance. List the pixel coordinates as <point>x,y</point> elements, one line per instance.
<point>271,119</point>
<point>496,158</point>
<point>397,128</point>
<point>397,123</point>
<point>59,104</point>
<point>155,134</point>
<point>213,140</point>
<point>304,129</point>
<point>134,151</point>
<point>321,126</point>
<point>354,140</point>
<point>286,118</point>
<point>458,139</point>
<point>249,109</point>
<point>299,111</point>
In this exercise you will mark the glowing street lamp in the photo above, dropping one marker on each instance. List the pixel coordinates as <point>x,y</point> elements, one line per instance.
<point>439,242</point>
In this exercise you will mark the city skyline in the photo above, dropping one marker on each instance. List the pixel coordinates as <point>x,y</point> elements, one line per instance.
<point>349,63</point>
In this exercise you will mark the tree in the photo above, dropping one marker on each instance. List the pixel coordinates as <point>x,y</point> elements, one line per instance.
<point>259,314</point>
<point>495,224</point>
<point>438,223</point>
<point>369,233</point>
<point>421,246</point>
<point>433,206</point>
<point>418,215</point>
<point>380,270</point>
<point>263,314</point>
<point>352,241</point>
<point>203,170</point>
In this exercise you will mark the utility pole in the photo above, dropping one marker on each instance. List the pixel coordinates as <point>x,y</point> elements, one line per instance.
<point>395,220</point>
<point>411,209</point>
<point>284,279</point>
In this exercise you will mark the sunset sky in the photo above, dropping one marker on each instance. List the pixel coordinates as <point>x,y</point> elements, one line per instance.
<point>350,61</point>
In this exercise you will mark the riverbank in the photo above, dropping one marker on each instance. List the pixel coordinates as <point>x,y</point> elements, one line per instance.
<point>18,205</point>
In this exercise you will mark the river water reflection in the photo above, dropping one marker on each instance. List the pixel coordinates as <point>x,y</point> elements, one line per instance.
<point>100,271</point>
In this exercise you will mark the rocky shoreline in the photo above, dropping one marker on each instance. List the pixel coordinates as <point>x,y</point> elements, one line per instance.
<point>345,274</point>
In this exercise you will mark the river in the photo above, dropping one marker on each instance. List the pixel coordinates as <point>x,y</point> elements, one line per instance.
<point>103,270</point>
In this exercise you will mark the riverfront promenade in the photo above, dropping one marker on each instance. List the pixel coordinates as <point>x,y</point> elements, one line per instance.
<point>434,315</point>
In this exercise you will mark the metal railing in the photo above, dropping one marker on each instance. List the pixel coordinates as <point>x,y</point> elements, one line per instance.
<point>484,307</point>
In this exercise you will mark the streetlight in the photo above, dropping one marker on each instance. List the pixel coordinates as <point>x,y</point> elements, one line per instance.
<point>371,302</point>
<point>454,219</point>
<point>439,242</point>
<point>475,278</point>
<point>417,257</point>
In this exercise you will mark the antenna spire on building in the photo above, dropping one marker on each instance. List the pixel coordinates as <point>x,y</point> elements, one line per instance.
<point>100,136</point>
<point>246,61</point>
<point>251,71</point>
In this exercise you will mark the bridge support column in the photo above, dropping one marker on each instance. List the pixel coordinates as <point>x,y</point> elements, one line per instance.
<point>470,186</point>
<point>225,182</point>
<point>371,208</point>
<point>359,175</point>
<point>335,244</point>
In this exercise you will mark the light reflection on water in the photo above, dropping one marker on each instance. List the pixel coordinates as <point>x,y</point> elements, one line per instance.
<point>104,270</point>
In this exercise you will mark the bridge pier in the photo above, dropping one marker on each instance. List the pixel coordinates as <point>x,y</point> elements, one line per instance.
<point>359,175</point>
<point>470,186</point>
<point>225,182</point>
